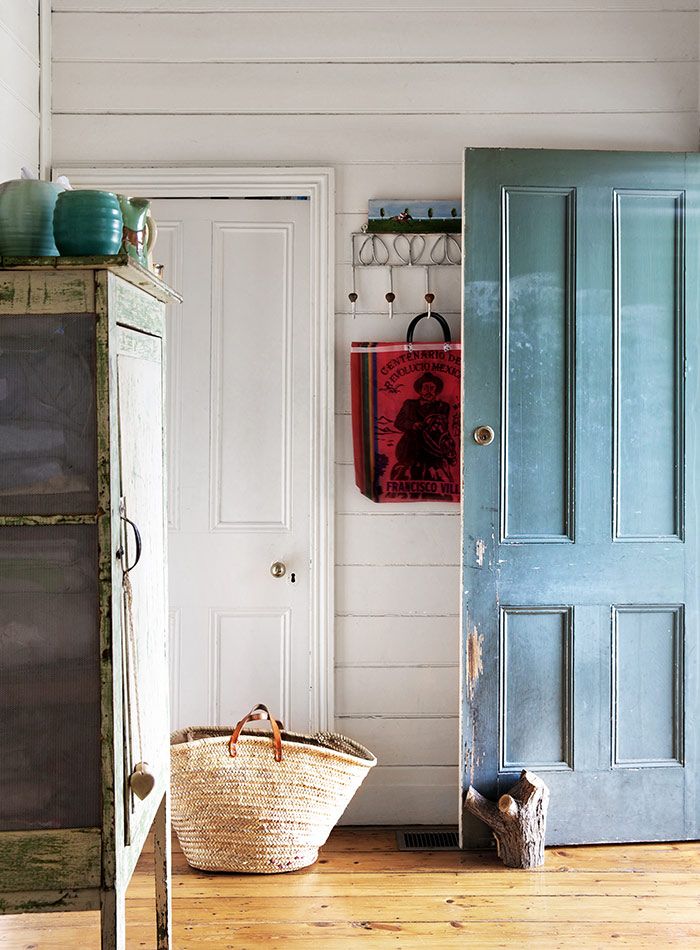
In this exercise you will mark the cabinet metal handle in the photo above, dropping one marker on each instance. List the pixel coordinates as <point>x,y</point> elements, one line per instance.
<point>121,553</point>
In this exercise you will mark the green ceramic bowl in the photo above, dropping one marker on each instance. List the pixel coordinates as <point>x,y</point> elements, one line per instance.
<point>26,218</point>
<point>87,222</point>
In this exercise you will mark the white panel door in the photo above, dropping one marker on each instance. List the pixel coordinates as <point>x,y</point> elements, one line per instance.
<point>239,434</point>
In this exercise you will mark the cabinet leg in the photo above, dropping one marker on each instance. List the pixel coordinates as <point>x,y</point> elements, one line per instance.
<point>163,871</point>
<point>113,920</point>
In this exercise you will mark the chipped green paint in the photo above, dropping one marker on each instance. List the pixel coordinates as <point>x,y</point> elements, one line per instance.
<point>37,292</point>
<point>109,614</point>
<point>27,902</point>
<point>136,310</point>
<point>162,869</point>
<point>141,345</point>
<point>49,860</point>
<point>10,520</point>
<point>120,264</point>
<point>72,290</point>
<point>62,262</point>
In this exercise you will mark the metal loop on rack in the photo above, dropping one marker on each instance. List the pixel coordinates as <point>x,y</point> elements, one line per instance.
<point>373,250</point>
<point>405,249</point>
<point>413,250</point>
<point>446,250</point>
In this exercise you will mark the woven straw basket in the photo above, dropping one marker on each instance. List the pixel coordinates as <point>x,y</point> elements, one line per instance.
<point>259,803</point>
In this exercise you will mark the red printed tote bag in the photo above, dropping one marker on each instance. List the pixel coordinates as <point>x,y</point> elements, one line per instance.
<point>406,417</point>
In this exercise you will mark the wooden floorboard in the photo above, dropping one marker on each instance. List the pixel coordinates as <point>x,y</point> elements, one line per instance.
<point>365,893</point>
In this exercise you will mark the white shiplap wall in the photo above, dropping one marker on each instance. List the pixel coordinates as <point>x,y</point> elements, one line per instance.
<point>19,86</point>
<point>389,94</point>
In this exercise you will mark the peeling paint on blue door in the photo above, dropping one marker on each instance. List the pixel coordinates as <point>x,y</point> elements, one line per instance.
<point>580,639</point>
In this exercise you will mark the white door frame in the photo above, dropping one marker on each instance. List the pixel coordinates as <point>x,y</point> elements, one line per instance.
<point>318,185</point>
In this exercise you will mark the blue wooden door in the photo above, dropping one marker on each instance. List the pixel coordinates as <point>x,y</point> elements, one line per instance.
<point>580,567</point>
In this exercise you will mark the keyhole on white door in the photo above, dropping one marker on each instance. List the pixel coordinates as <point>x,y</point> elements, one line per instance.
<point>293,577</point>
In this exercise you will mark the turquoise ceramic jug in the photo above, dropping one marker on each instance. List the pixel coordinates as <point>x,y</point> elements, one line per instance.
<point>26,218</point>
<point>87,222</point>
<point>139,228</point>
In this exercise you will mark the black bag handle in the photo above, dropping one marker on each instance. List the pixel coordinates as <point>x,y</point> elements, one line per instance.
<point>423,316</point>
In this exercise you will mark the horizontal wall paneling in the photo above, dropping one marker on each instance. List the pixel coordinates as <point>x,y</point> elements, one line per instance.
<point>398,36</point>
<point>382,641</point>
<point>398,540</point>
<point>336,88</point>
<point>337,139</point>
<point>367,590</point>
<point>406,741</point>
<point>19,20</point>
<point>359,6</point>
<point>354,183</point>
<point>19,72</point>
<point>405,795</point>
<point>396,691</point>
<point>19,86</point>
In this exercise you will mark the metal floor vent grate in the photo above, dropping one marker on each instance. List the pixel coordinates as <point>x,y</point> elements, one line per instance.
<point>428,839</point>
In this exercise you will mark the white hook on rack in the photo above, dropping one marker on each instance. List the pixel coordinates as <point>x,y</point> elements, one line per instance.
<point>352,296</point>
<point>429,296</point>
<point>391,296</point>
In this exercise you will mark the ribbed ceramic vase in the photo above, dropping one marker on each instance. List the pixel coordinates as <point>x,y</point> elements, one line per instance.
<point>87,222</point>
<point>26,218</point>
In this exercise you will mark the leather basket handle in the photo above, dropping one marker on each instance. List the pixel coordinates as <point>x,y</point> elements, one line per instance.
<point>424,316</point>
<point>257,713</point>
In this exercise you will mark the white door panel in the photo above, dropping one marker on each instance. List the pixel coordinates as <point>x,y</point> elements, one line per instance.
<point>239,370</point>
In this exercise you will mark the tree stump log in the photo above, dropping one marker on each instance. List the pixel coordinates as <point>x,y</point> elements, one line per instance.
<point>517,821</point>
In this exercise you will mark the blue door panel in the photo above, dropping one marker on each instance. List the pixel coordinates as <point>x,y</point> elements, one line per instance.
<point>580,567</point>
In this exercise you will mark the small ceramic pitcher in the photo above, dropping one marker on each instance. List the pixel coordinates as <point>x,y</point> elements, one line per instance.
<point>139,229</point>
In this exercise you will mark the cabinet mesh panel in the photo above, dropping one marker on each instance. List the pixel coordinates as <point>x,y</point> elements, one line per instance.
<point>428,839</point>
<point>49,677</point>
<point>48,433</point>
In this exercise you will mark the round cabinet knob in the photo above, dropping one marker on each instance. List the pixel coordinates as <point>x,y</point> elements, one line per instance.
<point>483,435</point>
<point>278,569</point>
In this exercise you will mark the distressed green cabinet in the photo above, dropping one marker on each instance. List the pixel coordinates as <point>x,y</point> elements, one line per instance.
<point>81,500</point>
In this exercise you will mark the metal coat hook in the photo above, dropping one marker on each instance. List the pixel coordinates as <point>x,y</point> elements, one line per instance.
<point>391,296</point>
<point>429,296</point>
<point>352,296</point>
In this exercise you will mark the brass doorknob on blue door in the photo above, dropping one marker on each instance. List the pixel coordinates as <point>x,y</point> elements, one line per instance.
<point>278,569</point>
<point>483,435</point>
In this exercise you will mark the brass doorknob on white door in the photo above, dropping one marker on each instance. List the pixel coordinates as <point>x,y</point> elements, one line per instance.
<point>483,435</point>
<point>278,569</point>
